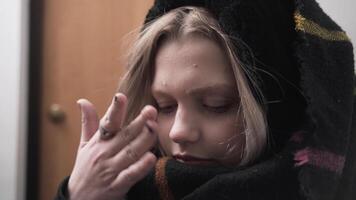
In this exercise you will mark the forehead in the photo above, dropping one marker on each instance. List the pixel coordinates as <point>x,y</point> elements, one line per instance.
<point>191,49</point>
<point>191,60</point>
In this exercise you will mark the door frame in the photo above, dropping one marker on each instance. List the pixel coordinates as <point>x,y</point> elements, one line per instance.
<point>34,98</point>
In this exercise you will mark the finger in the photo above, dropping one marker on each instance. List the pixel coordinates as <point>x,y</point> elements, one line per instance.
<point>113,118</point>
<point>132,152</point>
<point>90,121</point>
<point>152,126</point>
<point>127,134</point>
<point>137,171</point>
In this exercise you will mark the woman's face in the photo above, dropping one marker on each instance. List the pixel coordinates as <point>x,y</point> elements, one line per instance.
<point>197,103</point>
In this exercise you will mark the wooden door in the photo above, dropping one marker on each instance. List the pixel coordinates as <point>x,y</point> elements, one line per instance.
<point>82,58</point>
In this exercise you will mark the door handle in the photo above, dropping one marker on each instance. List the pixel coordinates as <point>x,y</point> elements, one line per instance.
<point>57,114</point>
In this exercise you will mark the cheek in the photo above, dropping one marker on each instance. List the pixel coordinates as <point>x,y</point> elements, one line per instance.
<point>223,134</point>
<point>221,129</point>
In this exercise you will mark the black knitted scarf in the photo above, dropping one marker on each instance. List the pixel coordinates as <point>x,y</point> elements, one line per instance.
<point>311,61</point>
<point>274,178</point>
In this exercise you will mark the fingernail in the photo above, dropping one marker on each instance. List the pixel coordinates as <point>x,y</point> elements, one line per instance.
<point>79,105</point>
<point>115,99</point>
<point>147,112</point>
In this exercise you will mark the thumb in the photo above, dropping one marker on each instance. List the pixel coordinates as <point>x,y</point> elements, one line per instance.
<point>90,121</point>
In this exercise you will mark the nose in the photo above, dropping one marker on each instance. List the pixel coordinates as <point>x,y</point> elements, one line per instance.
<point>185,128</point>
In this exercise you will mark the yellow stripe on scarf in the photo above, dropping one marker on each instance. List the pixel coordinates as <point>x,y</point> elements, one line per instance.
<point>308,26</point>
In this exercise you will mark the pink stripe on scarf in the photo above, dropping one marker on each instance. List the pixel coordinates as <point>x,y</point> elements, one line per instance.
<point>319,158</point>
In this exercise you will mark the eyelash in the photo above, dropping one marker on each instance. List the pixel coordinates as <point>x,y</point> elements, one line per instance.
<point>213,109</point>
<point>217,109</point>
<point>166,109</point>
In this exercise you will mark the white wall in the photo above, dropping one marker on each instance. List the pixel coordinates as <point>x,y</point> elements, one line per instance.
<point>344,13</point>
<point>13,66</point>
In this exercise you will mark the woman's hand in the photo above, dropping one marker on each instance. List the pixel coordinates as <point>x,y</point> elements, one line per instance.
<point>111,159</point>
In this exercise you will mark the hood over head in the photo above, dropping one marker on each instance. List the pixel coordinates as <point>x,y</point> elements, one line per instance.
<point>304,65</point>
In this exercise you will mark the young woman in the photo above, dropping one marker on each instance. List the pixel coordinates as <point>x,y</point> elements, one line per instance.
<point>220,101</point>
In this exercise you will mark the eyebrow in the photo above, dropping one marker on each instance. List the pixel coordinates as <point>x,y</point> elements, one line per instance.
<point>219,88</point>
<point>216,88</point>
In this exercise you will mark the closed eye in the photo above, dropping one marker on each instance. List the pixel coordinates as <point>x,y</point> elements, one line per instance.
<point>167,109</point>
<point>217,108</point>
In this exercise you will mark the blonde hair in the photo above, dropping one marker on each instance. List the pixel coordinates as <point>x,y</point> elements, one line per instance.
<point>183,21</point>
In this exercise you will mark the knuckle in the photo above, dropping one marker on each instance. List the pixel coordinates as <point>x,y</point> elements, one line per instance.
<point>84,120</point>
<point>132,154</point>
<point>126,134</point>
<point>134,170</point>
<point>151,162</point>
<point>100,157</point>
<point>105,134</point>
<point>83,144</point>
<point>106,129</point>
<point>112,188</point>
<point>105,123</point>
<point>106,118</point>
<point>107,174</point>
<point>128,177</point>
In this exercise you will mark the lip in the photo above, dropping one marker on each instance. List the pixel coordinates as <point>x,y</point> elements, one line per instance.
<point>192,159</point>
